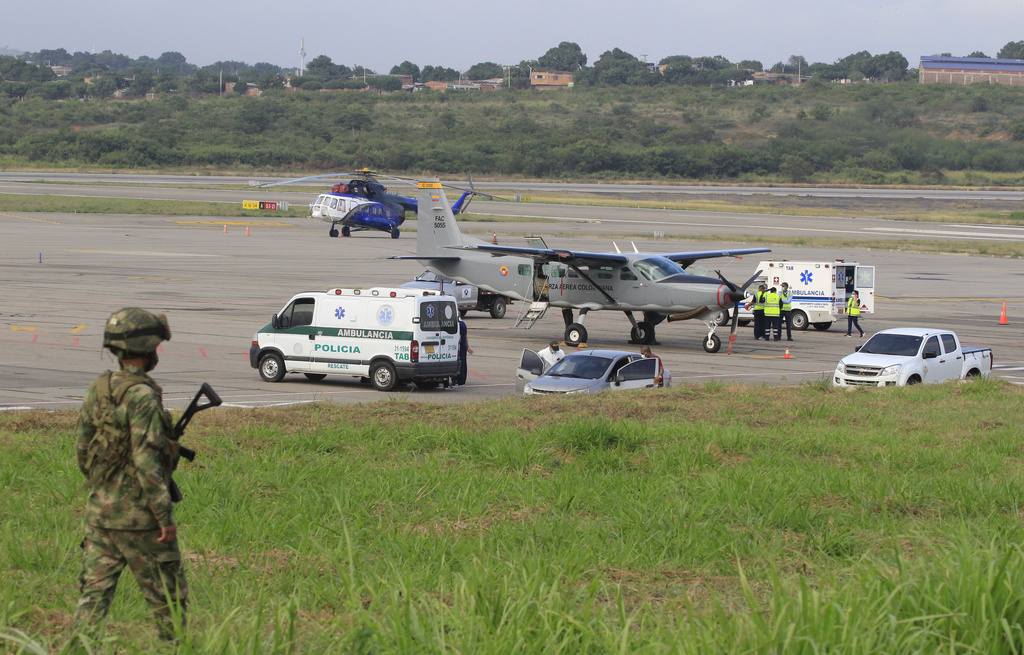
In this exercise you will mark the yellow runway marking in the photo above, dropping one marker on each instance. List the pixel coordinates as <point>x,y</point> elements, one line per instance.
<point>32,218</point>
<point>15,328</point>
<point>78,329</point>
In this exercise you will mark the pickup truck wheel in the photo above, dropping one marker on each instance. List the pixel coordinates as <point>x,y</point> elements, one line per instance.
<point>798,319</point>
<point>575,334</point>
<point>498,308</point>
<point>824,325</point>
<point>913,380</point>
<point>383,377</point>
<point>272,367</point>
<point>973,374</point>
<point>315,377</point>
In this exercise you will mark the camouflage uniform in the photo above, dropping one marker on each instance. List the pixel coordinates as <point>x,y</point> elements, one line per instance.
<point>125,451</point>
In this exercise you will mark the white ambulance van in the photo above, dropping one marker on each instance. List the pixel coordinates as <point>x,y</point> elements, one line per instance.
<point>388,335</point>
<point>819,289</point>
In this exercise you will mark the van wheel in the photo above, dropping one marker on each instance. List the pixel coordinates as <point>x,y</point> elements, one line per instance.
<point>721,318</point>
<point>498,308</point>
<point>272,367</point>
<point>744,322</point>
<point>426,385</point>
<point>383,377</point>
<point>798,319</point>
<point>824,325</point>
<point>315,377</point>
<point>463,312</point>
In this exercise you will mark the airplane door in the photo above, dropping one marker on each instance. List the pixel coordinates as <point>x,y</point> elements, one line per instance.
<point>529,369</point>
<point>864,283</point>
<point>636,375</point>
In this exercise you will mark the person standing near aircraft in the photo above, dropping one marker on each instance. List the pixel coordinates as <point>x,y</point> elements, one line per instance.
<point>127,452</point>
<point>787,310</point>
<point>551,355</point>
<point>659,378</point>
<point>758,310</point>
<point>772,315</point>
<point>464,352</point>
<point>853,314</point>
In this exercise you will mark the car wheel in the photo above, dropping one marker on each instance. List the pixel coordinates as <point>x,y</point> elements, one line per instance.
<point>799,320</point>
<point>426,385</point>
<point>913,380</point>
<point>315,377</point>
<point>383,377</point>
<point>272,367</point>
<point>823,325</point>
<point>721,318</point>
<point>575,334</point>
<point>743,322</point>
<point>712,343</point>
<point>345,232</point>
<point>642,333</point>
<point>498,308</point>
<point>333,232</point>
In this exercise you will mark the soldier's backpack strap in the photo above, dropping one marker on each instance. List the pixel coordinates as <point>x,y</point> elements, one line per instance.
<point>109,451</point>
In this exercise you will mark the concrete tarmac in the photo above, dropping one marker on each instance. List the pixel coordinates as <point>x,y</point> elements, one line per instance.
<point>63,274</point>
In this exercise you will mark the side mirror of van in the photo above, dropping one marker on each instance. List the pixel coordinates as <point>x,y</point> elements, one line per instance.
<point>275,322</point>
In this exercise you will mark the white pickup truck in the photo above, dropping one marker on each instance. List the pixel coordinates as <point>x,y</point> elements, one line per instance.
<point>911,356</point>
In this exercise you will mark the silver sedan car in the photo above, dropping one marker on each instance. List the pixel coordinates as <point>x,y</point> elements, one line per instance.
<point>588,371</point>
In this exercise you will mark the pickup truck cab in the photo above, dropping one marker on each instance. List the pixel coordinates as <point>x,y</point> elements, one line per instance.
<point>903,356</point>
<point>467,296</point>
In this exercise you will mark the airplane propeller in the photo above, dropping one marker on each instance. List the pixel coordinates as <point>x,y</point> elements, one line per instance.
<point>736,294</point>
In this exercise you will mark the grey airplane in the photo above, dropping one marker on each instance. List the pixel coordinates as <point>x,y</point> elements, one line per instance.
<point>656,286</point>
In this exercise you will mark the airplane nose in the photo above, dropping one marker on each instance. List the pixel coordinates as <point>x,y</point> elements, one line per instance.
<point>731,298</point>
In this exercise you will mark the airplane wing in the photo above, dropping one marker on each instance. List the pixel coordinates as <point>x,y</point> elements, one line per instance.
<point>685,259</point>
<point>550,255</point>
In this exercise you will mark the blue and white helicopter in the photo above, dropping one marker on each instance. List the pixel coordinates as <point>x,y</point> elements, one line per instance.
<point>363,203</point>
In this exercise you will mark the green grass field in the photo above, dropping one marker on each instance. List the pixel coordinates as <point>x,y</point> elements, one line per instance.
<point>701,519</point>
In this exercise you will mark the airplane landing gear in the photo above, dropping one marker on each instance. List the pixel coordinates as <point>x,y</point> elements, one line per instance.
<point>712,343</point>
<point>575,334</point>
<point>345,232</point>
<point>394,233</point>
<point>333,232</point>
<point>642,333</point>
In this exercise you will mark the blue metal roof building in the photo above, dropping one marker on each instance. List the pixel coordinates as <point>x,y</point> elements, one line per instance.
<point>971,70</point>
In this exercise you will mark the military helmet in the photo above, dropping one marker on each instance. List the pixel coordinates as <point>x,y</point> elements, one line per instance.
<point>135,331</point>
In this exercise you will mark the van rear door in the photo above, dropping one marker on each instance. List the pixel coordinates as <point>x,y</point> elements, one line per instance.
<point>865,285</point>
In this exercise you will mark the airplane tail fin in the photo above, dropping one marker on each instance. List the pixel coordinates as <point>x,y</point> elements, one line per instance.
<point>436,227</point>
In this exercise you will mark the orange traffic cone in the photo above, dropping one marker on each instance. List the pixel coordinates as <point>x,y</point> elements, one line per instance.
<point>1002,317</point>
<point>787,354</point>
<point>225,228</point>
<point>494,241</point>
<point>246,230</point>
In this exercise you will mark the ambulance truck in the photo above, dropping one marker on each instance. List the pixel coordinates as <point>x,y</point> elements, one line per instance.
<point>819,289</point>
<point>388,335</point>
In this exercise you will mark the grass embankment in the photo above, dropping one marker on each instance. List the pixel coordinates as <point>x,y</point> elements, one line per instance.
<point>701,519</point>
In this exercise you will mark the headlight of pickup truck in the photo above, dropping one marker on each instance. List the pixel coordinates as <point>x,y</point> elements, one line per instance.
<point>890,370</point>
<point>841,368</point>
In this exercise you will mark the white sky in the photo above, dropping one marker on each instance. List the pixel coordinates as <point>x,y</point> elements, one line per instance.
<point>460,33</point>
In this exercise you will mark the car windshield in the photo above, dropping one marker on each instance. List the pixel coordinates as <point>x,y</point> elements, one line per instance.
<point>657,268</point>
<point>427,276</point>
<point>586,366</point>
<point>904,345</point>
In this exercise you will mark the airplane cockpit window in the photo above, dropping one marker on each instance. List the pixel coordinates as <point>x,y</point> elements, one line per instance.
<point>334,203</point>
<point>657,268</point>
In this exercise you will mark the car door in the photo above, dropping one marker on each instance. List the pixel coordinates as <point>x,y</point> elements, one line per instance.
<point>530,368</point>
<point>295,338</point>
<point>952,358</point>
<point>638,374</point>
<point>932,361</point>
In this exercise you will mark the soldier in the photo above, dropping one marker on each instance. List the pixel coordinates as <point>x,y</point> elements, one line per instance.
<point>126,452</point>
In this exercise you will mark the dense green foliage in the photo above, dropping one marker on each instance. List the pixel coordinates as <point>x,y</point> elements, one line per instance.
<point>699,519</point>
<point>865,133</point>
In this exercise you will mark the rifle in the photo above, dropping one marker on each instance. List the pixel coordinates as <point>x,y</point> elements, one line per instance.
<point>193,408</point>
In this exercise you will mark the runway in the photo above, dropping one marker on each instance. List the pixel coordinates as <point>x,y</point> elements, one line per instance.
<point>63,274</point>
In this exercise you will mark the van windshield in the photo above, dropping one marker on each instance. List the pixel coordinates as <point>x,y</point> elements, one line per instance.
<point>903,345</point>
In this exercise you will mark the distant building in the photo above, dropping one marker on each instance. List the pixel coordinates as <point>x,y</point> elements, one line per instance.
<point>61,71</point>
<point>971,70</point>
<point>551,79</point>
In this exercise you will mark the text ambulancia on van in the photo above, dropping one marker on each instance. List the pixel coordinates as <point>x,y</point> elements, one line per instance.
<point>388,335</point>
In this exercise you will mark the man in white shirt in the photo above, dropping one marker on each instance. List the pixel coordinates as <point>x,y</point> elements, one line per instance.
<point>551,355</point>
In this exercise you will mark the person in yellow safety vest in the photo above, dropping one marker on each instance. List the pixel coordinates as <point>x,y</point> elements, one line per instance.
<point>758,309</point>
<point>773,314</point>
<point>787,310</point>
<point>853,314</point>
